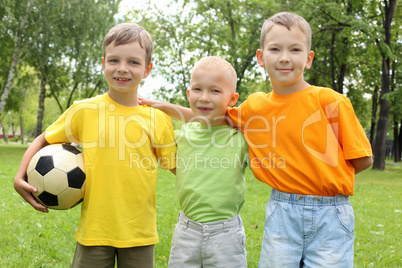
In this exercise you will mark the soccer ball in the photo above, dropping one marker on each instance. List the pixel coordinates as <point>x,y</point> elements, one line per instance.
<point>58,172</point>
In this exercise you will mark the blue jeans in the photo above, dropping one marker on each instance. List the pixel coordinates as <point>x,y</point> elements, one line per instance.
<point>213,244</point>
<point>307,231</point>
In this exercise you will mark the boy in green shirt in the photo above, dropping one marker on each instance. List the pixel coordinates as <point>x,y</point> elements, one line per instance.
<point>210,165</point>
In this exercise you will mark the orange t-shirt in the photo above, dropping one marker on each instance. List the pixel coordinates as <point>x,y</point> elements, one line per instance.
<point>300,143</point>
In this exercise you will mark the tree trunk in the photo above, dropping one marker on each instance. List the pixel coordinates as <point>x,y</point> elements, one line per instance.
<point>3,130</point>
<point>395,147</point>
<point>71,94</point>
<point>400,142</point>
<point>41,108</point>
<point>15,58</point>
<point>22,131</point>
<point>11,72</point>
<point>383,120</point>
<point>373,115</point>
<point>13,129</point>
<point>332,62</point>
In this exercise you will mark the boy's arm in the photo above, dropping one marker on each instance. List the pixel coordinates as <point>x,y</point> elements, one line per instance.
<point>20,184</point>
<point>362,163</point>
<point>178,112</point>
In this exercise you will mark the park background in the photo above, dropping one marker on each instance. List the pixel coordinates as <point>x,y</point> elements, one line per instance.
<point>51,51</point>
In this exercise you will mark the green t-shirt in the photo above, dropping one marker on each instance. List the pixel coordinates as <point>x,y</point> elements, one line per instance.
<point>210,166</point>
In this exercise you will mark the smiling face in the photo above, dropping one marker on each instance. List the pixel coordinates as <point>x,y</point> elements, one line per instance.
<point>210,94</point>
<point>285,56</point>
<point>124,67</point>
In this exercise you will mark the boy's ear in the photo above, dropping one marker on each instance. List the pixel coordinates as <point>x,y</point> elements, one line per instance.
<point>148,70</point>
<point>233,99</point>
<point>103,63</point>
<point>260,59</point>
<point>188,94</point>
<point>310,57</point>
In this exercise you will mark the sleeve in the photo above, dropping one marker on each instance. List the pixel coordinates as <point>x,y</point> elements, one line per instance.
<point>64,128</point>
<point>237,116</point>
<point>351,136</point>
<point>165,147</point>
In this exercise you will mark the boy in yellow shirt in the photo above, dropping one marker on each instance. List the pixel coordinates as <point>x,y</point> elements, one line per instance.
<point>307,144</point>
<point>122,144</point>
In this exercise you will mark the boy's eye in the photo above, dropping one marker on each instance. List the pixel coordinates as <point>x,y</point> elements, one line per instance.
<point>274,49</point>
<point>113,60</point>
<point>216,91</point>
<point>196,89</point>
<point>134,62</point>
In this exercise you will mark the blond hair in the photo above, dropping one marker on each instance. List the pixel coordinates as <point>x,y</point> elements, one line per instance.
<point>288,20</point>
<point>217,64</point>
<point>125,33</point>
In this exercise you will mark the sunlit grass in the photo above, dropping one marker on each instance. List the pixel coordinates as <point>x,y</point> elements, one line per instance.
<point>32,239</point>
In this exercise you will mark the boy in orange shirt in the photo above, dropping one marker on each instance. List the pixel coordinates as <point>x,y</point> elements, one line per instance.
<point>307,144</point>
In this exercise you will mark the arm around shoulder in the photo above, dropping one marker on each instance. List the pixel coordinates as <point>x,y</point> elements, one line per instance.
<point>178,112</point>
<point>362,163</point>
<point>20,184</point>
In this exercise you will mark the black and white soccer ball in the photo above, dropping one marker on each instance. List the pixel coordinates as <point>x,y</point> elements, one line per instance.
<point>58,172</point>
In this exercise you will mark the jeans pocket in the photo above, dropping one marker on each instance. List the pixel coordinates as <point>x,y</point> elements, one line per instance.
<point>272,207</point>
<point>346,218</point>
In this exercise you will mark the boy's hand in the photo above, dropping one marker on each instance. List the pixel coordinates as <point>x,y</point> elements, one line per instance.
<point>178,112</point>
<point>147,102</point>
<point>26,190</point>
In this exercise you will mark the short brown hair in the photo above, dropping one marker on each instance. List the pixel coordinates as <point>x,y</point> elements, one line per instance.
<point>288,20</point>
<point>212,63</point>
<point>125,33</point>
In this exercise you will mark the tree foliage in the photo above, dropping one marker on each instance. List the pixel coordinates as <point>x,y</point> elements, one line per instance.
<point>64,40</point>
<point>357,48</point>
<point>229,29</point>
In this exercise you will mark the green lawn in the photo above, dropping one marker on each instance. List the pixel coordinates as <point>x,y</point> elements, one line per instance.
<point>32,239</point>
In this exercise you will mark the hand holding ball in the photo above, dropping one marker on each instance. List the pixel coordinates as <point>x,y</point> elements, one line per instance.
<point>58,172</point>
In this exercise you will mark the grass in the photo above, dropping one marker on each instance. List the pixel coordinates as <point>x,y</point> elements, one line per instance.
<point>32,239</point>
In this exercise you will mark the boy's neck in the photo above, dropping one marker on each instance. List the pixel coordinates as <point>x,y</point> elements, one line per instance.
<point>286,90</point>
<point>213,124</point>
<point>129,99</point>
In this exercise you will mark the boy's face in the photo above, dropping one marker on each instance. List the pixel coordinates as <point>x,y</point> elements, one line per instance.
<point>285,57</point>
<point>210,94</point>
<point>124,67</point>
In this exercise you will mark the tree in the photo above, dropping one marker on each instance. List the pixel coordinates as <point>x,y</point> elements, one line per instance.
<point>67,32</point>
<point>394,98</point>
<point>350,39</point>
<point>395,95</point>
<point>83,49</point>
<point>226,28</point>
<point>388,9</point>
<point>333,24</point>
<point>18,13</point>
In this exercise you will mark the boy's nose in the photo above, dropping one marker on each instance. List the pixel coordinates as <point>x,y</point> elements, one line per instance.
<point>284,58</point>
<point>204,97</point>
<point>122,68</point>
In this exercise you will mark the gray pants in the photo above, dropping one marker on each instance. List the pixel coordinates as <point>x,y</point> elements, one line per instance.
<point>213,244</point>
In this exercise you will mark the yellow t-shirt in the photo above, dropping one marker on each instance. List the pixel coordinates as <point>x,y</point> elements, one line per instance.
<point>300,143</point>
<point>122,146</point>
